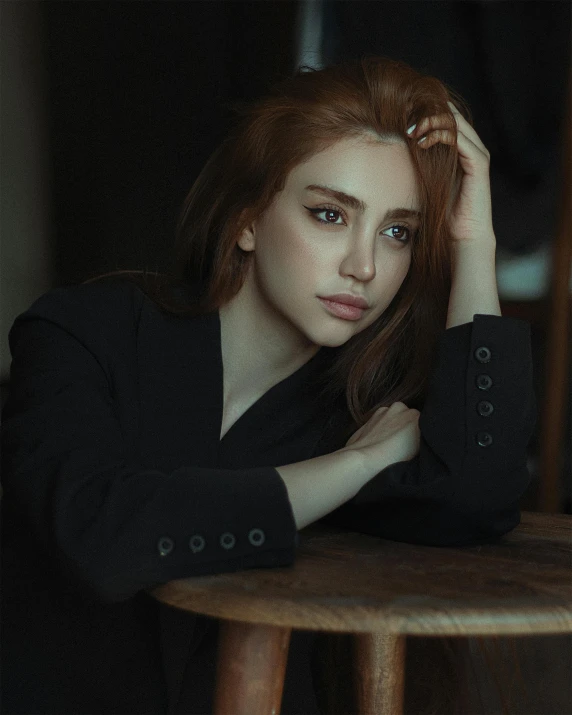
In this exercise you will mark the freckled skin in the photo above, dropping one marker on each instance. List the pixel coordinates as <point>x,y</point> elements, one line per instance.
<point>276,322</point>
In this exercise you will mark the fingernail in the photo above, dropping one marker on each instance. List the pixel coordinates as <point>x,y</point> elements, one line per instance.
<point>411,128</point>
<point>422,140</point>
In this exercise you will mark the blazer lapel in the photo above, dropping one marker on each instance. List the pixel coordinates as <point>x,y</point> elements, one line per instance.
<point>180,374</point>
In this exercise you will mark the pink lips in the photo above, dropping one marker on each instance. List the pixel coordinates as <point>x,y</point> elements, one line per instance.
<point>345,306</point>
<point>347,299</point>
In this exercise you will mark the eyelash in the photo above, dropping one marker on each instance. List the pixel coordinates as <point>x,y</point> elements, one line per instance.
<point>343,215</point>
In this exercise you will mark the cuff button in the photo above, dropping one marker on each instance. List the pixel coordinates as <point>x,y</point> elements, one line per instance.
<point>165,545</point>
<point>484,382</point>
<point>484,439</point>
<point>227,540</point>
<point>483,354</point>
<point>196,543</point>
<point>256,537</point>
<point>485,408</point>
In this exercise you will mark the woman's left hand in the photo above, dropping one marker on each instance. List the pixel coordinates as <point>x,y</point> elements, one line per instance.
<point>471,217</point>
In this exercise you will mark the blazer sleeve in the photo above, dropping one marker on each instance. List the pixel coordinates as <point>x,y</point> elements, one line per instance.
<point>463,487</point>
<point>115,528</point>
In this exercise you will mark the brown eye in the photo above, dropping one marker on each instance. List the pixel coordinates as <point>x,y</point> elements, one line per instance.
<point>328,212</point>
<point>402,239</point>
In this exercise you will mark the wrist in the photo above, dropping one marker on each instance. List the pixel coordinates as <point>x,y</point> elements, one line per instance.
<point>362,467</point>
<point>482,249</point>
<point>473,287</point>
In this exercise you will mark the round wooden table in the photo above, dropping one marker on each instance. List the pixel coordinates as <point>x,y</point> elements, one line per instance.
<point>380,591</point>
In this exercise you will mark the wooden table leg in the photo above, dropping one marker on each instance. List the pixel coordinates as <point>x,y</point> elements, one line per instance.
<point>379,673</point>
<point>251,666</point>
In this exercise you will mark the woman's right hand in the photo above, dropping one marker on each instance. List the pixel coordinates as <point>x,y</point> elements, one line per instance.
<point>390,435</point>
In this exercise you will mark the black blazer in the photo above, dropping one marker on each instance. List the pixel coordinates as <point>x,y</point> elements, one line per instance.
<point>115,480</point>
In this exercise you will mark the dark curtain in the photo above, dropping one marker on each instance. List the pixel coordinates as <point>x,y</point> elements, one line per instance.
<point>510,61</point>
<point>139,95</point>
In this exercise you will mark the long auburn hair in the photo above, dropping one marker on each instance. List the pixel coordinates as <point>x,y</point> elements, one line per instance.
<point>391,359</point>
<point>300,116</point>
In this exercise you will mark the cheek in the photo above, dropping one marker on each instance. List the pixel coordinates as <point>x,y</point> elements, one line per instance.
<point>393,266</point>
<point>404,267</point>
<point>293,257</point>
<point>391,274</point>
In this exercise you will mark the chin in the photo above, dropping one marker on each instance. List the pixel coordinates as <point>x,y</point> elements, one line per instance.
<point>329,337</point>
<point>334,343</point>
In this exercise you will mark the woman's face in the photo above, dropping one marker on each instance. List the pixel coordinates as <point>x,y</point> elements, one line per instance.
<point>309,245</point>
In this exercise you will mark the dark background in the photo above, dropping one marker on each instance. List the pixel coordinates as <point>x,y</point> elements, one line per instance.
<point>140,95</point>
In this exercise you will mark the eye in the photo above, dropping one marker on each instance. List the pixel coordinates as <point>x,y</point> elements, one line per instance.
<point>334,210</point>
<point>401,227</point>
<point>327,210</point>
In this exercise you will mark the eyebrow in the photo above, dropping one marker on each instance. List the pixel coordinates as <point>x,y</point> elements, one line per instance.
<point>357,205</point>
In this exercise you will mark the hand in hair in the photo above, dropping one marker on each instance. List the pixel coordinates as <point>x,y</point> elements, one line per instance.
<point>471,216</point>
<point>390,435</point>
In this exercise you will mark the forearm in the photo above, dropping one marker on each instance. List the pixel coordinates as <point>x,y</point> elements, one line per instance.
<point>318,486</point>
<point>473,287</point>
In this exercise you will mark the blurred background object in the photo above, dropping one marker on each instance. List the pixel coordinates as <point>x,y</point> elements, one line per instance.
<point>110,109</point>
<point>26,260</point>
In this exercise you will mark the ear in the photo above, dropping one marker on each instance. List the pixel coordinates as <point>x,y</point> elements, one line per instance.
<point>247,240</point>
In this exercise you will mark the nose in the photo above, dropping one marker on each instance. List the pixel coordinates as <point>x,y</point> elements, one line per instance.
<point>359,258</point>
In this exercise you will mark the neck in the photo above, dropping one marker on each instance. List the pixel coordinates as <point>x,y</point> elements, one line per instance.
<point>259,347</point>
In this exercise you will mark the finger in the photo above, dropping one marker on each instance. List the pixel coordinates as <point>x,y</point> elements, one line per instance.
<point>399,406</point>
<point>437,121</point>
<point>443,121</point>
<point>474,152</point>
<point>466,147</point>
<point>444,136</point>
<point>466,128</point>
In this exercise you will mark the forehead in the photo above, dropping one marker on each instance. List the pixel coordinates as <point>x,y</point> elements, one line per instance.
<point>366,168</point>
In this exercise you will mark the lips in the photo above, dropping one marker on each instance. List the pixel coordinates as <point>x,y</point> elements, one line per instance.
<point>344,311</point>
<point>347,299</point>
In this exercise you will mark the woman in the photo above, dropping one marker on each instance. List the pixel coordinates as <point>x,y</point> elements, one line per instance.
<point>331,347</point>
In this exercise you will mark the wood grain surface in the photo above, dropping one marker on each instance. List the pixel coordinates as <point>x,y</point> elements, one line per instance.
<point>353,583</point>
